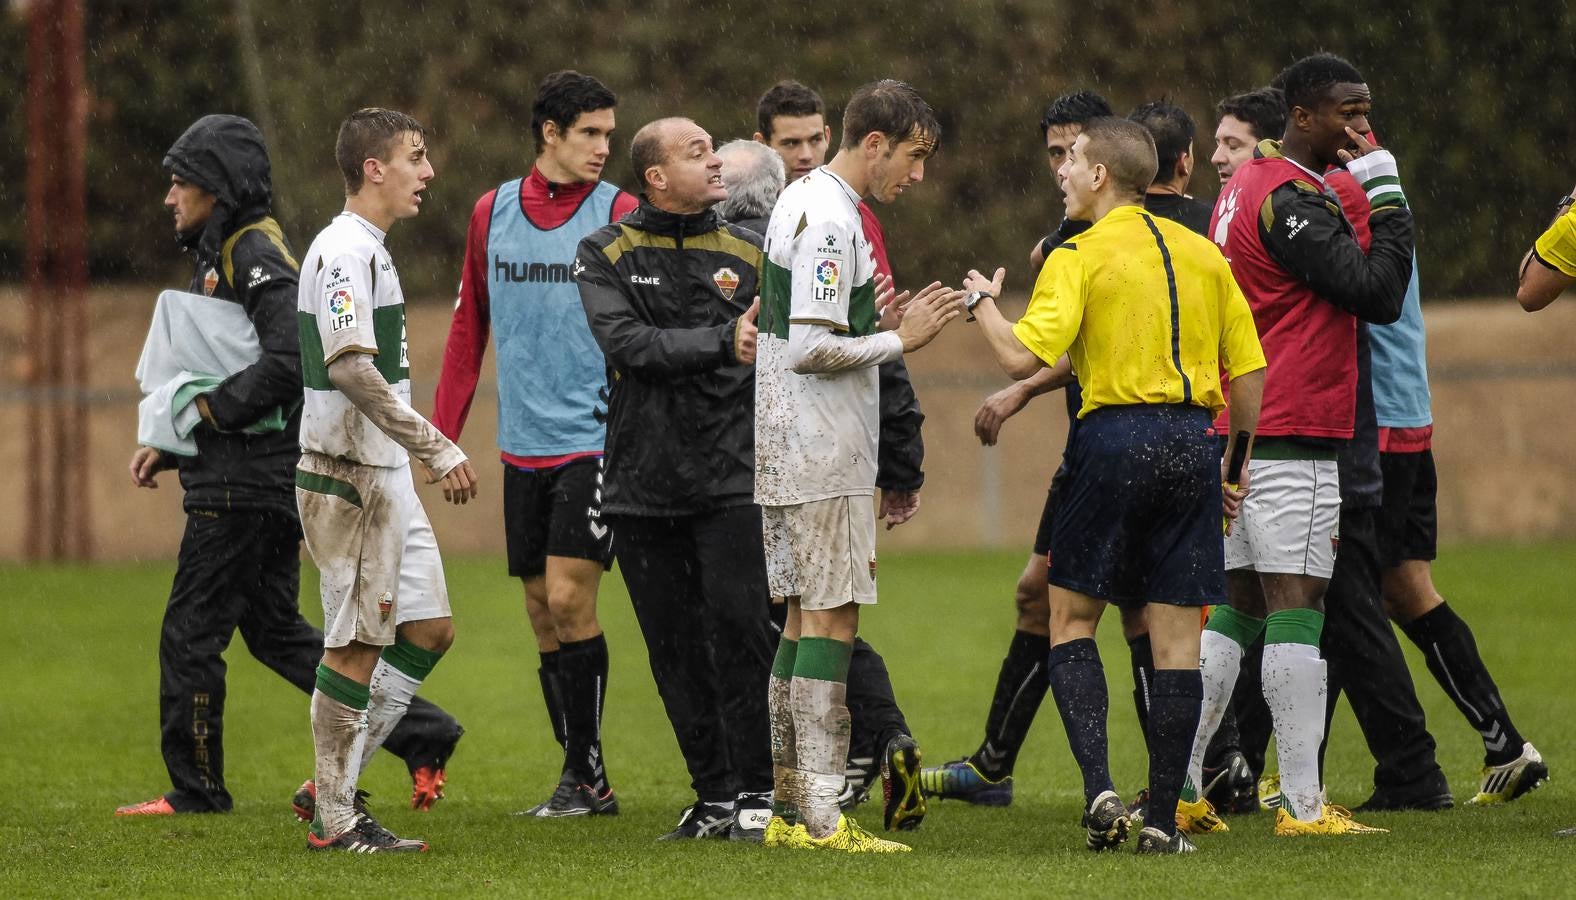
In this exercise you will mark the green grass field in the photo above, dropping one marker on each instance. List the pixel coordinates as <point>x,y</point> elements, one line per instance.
<point>78,728</point>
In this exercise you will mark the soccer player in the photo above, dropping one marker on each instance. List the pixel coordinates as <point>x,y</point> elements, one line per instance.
<point>385,605</point>
<point>669,294</point>
<point>1172,129</point>
<point>815,441</point>
<point>552,389</point>
<point>791,119</point>
<point>1246,119</point>
<point>1307,280</point>
<point>1138,523</point>
<point>1550,266</point>
<point>239,565</point>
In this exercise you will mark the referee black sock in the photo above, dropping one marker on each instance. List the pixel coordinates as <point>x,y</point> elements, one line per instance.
<point>1175,701</point>
<point>1142,657</point>
<point>1078,683</point>
<point>552,695</point>
<point>1020,688</point>
<point>1452,655</point>
<point>582,670</point>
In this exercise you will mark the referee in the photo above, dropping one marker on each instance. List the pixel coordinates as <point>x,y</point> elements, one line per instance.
<point>1150,315</point>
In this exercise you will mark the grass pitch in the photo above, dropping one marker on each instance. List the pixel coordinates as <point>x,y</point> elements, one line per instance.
<point>78,728</point>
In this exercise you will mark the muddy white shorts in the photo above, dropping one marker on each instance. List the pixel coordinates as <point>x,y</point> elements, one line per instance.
<point>373,546</point>
<point>1290,522</point>
<point>823,552</point>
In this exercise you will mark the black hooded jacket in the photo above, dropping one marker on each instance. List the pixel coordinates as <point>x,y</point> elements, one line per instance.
<point>243,258</point>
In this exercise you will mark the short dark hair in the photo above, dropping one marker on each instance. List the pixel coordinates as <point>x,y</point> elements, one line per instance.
<point>1305,81</point>
<point>370,134</point>
<point>1172,129</point>
<point>563,96</point>
<point>1126,150</point>
<point>1076,108</point>
<point>1264,110</point>
<point>891,107</point>
<point>649,147</point>
<point>786,98</point>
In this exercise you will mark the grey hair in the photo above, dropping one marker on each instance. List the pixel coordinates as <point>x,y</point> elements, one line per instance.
<point>753,174</point>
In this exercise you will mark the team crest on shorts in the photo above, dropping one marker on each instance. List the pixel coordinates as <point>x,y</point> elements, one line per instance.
<point>872,568</point>
<point>726,281</point>
<point>385,605</point>
<point>210,281</point>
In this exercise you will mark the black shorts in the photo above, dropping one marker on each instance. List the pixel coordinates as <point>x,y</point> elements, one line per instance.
<point>1409,516</point>
<point>554,512</point>
<point>1139,519</point>
<point>1042,535</point>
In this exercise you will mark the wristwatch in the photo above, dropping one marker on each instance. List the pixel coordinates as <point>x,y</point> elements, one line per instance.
<point>1563,205</point>
<point>972,299</point>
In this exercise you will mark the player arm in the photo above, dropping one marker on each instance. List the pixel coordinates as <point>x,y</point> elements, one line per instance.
<point>1305,232</point>
<point>355,375</point>
<point>269,298</point>
<point>822,296</point>
<point>1550,266</point>
<point>632,344</point>
<point>467,342</point>
<point>1049,325</point>
<point>901,451</point>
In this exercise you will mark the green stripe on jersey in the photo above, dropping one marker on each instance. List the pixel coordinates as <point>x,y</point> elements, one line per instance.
<point>862,317</point>
<point>324,484</point>
<point>776,299</point>
<point>314,374</point>
<point>388,328</point>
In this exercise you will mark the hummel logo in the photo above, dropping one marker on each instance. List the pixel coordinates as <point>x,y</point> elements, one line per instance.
<point>577,268</point>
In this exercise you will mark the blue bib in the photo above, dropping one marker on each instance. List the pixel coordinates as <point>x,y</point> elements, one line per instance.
<point>1400,366</point>
<point>552,380</point>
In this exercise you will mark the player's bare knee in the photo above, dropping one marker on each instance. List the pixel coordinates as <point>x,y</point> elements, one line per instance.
<point>436,635</point>
<point>1032,599</point>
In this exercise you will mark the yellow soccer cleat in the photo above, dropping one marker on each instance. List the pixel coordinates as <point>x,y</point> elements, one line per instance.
<point>1335,820</point>
<point>850,838</point>
<point>780,834</point>
<point>1270,793</point>
<point>1502,784</point>
<point>1199,817</point>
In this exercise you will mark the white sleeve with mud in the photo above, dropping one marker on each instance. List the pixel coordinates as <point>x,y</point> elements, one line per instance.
<point>355,375</point>
<point>815,349</point>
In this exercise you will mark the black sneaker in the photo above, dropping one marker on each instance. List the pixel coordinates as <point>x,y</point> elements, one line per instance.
<point>366,836</point>
<point>1231,786</point>
<point>304,802</point>
<point>1429,794</point>
<point>702,820</point>
<point>1107,822</point>
<point>751,814</point>
<point>572,798</point>
<point>904,807</point>
<point>1153,840</point>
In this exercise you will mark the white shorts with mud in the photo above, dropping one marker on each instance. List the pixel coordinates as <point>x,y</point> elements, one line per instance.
<point>374,547</point>
<point>823,552</point>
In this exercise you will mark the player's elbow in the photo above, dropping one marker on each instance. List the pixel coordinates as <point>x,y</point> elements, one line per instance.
<point>1532,299</point>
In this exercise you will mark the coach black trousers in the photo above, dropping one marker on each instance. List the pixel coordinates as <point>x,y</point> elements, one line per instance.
<point>242,570</point>
<point>698,584</point>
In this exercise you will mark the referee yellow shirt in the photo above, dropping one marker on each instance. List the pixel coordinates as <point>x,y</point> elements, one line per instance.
<point>1147,310</point>
<point>1557,246</point>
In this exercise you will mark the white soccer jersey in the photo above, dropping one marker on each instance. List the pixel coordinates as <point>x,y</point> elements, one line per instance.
<point>350,300</point>
<point>816,435</point>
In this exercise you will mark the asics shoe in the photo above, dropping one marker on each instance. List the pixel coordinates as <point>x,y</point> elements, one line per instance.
<point>366,836</point>
<point>572,798</point>
<point>752,815</point>
<point>1502,784</point>
<point>904,806</point>
<point>702,820</point>
<point>1270,793</point>
<point>304,801</point>
<point>158,806</point>
<point>1153,840</point>
<point>960,780</point>
<point>1198,817</point>
<point>1231,787</point>
<point>1334,820</point>
<point>849,838</point>
<point>1107,822</point>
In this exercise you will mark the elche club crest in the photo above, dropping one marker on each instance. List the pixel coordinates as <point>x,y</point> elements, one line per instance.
<point>210,281</point>
<point>726,281</point>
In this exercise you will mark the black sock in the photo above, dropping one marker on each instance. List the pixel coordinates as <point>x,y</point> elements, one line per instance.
<point>1452,656</point>
<point>1143,659</point>
<point>1174,706</point>
<point>1020,688</point>
<point>582,671</point>
<point>552,694</point>
<point>1078,683</point>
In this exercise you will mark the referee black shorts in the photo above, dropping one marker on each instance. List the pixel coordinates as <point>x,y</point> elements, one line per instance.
<point>1409,516</point>
<point>1139,519</point>
<point>1042,535</point>
<point>554,512</point>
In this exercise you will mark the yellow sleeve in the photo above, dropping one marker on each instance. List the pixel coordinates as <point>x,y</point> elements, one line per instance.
<point>1557,246</point>
<point>1240,351</point>
<point>1050,324</point>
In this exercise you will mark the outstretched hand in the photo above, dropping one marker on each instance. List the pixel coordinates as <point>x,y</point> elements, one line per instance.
<point>889,303</point>
<point>974,281</point>
<point>929,312</point>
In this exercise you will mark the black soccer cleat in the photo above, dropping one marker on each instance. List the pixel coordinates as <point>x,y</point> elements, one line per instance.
<point>1107,822</point>
<point>366,836</point>
<point>1154,841</point>
<point>904,806</point>
<point>1231,786</point>
<point>571,799</point>
<point>751,814</point>
<point>702,820</point>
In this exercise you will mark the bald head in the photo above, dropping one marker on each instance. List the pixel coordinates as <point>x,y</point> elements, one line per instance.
<point>651,145</point>
<point>1126,149</point>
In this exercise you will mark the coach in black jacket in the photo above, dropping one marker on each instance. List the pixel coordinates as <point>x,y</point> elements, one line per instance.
<point>239,564</point>
<point>668,293</point>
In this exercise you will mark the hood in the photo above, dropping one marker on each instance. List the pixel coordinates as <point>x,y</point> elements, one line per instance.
<point>227,157</point>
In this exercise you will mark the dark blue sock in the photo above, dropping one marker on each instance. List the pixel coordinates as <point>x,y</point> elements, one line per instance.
<point>1174,703</point>
<point>1078,684</point>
